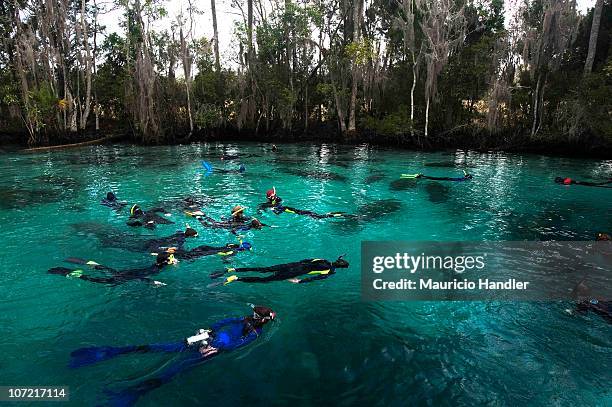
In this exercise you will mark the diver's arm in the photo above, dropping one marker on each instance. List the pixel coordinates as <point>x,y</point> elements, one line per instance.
<point>317,277</point>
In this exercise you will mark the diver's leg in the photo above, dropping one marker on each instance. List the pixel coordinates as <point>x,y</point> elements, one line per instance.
<point>87,356</point>
<point>130,395</point>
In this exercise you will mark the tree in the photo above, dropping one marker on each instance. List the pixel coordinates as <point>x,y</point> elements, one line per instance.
<point>597,12</point>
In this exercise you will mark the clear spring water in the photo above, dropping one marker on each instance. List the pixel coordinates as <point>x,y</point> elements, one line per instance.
<point>327,345</point>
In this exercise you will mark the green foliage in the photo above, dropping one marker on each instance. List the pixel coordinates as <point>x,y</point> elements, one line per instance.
<point>208,116</point>
<point>394,124</point>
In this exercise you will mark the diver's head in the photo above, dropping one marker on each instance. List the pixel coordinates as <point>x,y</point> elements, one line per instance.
<point>603,237</point>
<point>271,194</point>
<point>165,258</point>
<point>190,232</point>
<point>245,246</point>
<point>468,176</point>
<point>136,212</point>
<point>340,263</point>
<point>273,147</point>
<point>238,212</point>
<point>241,168</point>
<point>263,314</point>
<point>110,196</point>
<point>256,224</point>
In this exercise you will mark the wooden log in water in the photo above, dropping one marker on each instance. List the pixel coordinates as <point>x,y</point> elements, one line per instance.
<point>84,143</point>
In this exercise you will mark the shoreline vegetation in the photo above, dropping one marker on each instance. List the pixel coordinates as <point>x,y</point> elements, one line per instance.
<point>419,74</point>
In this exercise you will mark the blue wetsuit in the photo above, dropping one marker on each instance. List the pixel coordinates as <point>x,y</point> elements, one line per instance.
<point>227,335</point>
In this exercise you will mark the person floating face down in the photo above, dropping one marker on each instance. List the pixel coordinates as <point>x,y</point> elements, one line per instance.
<point>274,202</point>
<point>318,269</point>
<point>466,177</point>
<point>107,275</point>
<point>227,250</point>
<point>238,222</point>
<point>176,240</point>
<point>112,202</point>
<point>569,181</point>
<point>587,302</point>
<point>221,337</point>
<point>603,237</point>
<point>149,219</point>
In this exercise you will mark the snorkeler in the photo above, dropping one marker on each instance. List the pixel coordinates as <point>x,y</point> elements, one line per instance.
<point>603,237</point>
<point>176,240</point>
<point>466,177</point>
<point>569,181</point>
<point>318,268</point>
<point>601,308</point>
<point>275,203</point>
<point>115,277</point>
<point>229,249</point>
<point>238,222</point>
<point>149,219</point>
<point>112,202</point>
<point>224,336</point>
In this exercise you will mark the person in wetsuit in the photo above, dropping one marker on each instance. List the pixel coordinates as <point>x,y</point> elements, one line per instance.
<point>466,177</point>
<point>603,237</point>
<point>224,336</point>
<point>319,269</point>
<point>229,249</point>
<point>176,240</point>
<point>149,219</point>
<point>601,308</point>
<point>114,277</point>
<point>112,202</point>
<point>569,181</point>
<point>237,223</point>
<point>275,203</point>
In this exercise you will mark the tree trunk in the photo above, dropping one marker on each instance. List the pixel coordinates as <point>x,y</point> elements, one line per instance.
<point>215,36</point>
<point>355,68</point>
<point>426,116</point>
<point>88,59</point>
<point>412,95</point>
<point>588,65</point>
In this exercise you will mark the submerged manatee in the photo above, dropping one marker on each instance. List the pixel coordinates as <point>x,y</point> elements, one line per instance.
<point>320,175</point>
<point>437,193</point>
<point>15,198</point>
<point>376,209</point>
<point>374,178</point>
<point>403,184</point>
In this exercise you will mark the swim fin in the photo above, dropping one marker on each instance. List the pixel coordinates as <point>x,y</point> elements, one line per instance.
<point>89,356</point>
<point>410,176</point>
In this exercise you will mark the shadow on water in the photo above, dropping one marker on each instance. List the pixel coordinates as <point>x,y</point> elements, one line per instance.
<point>367,213</point>
<point>15,198</point>
<point>374,178</point>
<point>437,193</point>
<point>448,164</point>
<point>319,175</point>
<point>403,184</point>
<point>58,181</point>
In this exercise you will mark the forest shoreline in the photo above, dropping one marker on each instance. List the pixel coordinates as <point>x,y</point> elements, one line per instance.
<point>596,148</point>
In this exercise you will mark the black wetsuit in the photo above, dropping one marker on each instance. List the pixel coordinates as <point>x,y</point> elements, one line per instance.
<point>602,308</point>
<point>233,225</point>
<point>113,203</point>
<point>319,268</point>
<point>149,219</point>
<point>569,181</point>
<point>464,178</point>
<point>155,245</point>
<point>112,276</point>
<point>230,249</point>
<point>278,208</point>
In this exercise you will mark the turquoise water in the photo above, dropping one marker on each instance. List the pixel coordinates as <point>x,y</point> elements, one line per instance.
<point>327,345</point>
